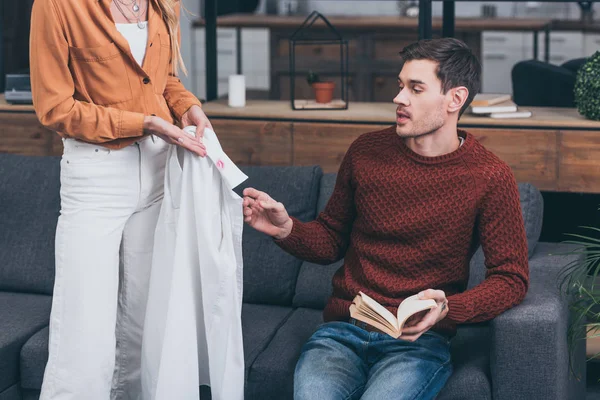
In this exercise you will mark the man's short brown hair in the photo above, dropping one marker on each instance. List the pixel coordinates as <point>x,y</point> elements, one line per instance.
<point>457,65</point>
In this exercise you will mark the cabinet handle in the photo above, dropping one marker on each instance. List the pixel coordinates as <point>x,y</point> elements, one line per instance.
<point>495,39</point>
<point>318,50</point>
<point>495,57</point>
<point>225,52</point>
<point>558,40</point>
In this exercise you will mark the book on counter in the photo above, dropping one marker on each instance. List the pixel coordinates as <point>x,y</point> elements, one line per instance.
<point>369,311</point>
<point>504,107</point>
<point>489,99</point>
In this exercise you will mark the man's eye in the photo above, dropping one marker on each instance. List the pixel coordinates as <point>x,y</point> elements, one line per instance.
<point>417,90</point>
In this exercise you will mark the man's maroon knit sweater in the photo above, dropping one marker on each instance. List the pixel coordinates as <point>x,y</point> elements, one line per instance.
<point>404,223</point>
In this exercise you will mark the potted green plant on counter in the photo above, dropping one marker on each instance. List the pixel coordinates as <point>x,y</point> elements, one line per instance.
<point>323,89</point>
<point>587,88</point>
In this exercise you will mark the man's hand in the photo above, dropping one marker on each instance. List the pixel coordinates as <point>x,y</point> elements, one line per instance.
<point>265,214</point>
<point>420,324</point>
<point>195,116</point>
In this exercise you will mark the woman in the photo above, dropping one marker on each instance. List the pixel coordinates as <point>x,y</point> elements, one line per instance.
<point>104,76</point>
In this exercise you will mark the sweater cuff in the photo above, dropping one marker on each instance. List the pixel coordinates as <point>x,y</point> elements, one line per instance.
<point>459,311</point>
<point>131,124</point>
<point>294,240</point>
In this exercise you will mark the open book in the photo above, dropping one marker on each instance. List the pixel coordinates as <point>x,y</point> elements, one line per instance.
<point>367,310</point>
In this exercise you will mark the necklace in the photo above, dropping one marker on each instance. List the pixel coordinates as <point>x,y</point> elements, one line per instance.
<point>140,24</point>
<point>135,7</point>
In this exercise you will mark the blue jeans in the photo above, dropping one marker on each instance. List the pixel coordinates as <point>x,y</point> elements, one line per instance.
<point>342,361</point>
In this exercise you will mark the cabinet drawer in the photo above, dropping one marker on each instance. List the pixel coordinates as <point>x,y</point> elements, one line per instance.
<point>316,51</point>
<point>591,44</point>
<point>500,40</point>
<point>385,87</point>
<point>388,48</point>
<point>496,71</point>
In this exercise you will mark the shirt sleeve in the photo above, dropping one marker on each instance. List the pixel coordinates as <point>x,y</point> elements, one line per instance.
<point>52,87</point>
<point>327,238</point>
<point>178,98</point>
<point>502,235</point>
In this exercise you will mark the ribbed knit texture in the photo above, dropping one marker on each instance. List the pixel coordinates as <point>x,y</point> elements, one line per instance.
<point>404,223</point>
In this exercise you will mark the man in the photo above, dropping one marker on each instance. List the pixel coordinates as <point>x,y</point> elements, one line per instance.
<point>410,206</point>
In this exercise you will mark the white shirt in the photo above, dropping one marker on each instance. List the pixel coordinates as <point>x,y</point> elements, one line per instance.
<point>193,328</point>
<point>137,39</point>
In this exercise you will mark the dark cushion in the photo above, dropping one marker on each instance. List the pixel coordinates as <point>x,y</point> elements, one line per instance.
<point>314,280</point>
<point>259,324</point>
<point>30,199</point>
<point>271,377</point>
<point>269,272</point>
<point>12,393</point>
<point>530,84</point>
<point>470,350</point>
<point>21,316</point>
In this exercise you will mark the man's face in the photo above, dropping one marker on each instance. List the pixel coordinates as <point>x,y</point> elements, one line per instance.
<point>422,107</point>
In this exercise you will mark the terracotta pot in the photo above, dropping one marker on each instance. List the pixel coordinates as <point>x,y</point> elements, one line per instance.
<point>323,91</point>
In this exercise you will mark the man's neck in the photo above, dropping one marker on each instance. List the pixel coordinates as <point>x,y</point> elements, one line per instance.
<point>443,141</point>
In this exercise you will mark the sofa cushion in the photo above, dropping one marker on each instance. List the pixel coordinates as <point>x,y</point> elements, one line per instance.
<point>532,208</point>
<point>22,315</point>
<point>470,350</point>
<point>259,324</point>
<point>30,198</point>
<point>271,377</point>
<point>269,272</point>
<point>314,280</point>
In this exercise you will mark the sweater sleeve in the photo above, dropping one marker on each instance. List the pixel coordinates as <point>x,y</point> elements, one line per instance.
<point>178,98</point>
<point>502,235</point>
<point>52,87</point>
<point>326,239</point>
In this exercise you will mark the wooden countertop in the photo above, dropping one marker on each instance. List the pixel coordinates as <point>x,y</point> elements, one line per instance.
<point>379,23</point>
<point>383,114</point>
<point>6,107</point>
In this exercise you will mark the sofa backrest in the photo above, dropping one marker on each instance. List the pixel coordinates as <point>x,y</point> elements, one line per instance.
<point>314,281</point>
<point>29,208</point>
<point>270,273</point>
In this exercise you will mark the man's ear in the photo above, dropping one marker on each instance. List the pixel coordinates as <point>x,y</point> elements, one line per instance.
<point>458,98</point>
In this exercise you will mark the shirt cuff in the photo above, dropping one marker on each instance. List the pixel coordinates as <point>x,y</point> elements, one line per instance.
<point>458,309</point>
<point>181,106</point>
<point>131,124</point>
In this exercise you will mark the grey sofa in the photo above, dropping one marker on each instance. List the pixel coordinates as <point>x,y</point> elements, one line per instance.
<point>522,354</point>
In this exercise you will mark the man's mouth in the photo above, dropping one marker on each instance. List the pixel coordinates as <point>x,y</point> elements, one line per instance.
<point>402,117</point>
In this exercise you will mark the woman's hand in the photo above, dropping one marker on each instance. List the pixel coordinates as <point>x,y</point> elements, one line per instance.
<point>195,116</point>
<point>173,135</point>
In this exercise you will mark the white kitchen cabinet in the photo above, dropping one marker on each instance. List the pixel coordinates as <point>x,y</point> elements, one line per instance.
<point>255,50</point>
<point>591,43</point>
<point>500,52</point>
<point>564,46</point>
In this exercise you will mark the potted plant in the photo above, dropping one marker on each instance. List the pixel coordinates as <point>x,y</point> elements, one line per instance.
<point>323,89</point>
<point>581,280</point>
<point>587,88</point>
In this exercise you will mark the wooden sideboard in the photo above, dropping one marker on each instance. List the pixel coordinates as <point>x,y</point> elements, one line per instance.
<point>556,149</point>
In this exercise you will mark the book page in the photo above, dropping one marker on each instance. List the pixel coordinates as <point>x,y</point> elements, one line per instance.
<point>379,309</point>
<point>412,305</point>
<point>379,323</point>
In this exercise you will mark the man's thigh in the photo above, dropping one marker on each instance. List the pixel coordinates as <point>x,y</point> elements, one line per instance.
<point>331,365</point>
<point>408,370</point>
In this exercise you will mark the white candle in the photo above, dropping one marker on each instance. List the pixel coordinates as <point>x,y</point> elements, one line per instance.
<point>237,91</point>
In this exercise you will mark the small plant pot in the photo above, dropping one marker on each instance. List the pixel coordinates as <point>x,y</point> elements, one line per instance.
<point>323,91</point>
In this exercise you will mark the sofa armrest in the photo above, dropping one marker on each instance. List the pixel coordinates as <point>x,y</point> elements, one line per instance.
<point>529,353</point>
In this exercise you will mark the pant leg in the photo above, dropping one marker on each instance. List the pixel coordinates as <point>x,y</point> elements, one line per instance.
<point>407,370</point>
<point>99,191</point>
<point>332,365</point>
<point>135,264</point>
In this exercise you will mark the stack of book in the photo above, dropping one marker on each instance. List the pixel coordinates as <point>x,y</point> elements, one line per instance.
<point>497,106</point>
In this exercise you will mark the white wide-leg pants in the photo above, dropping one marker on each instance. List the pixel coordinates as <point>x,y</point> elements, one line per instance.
<point>110,201</point>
